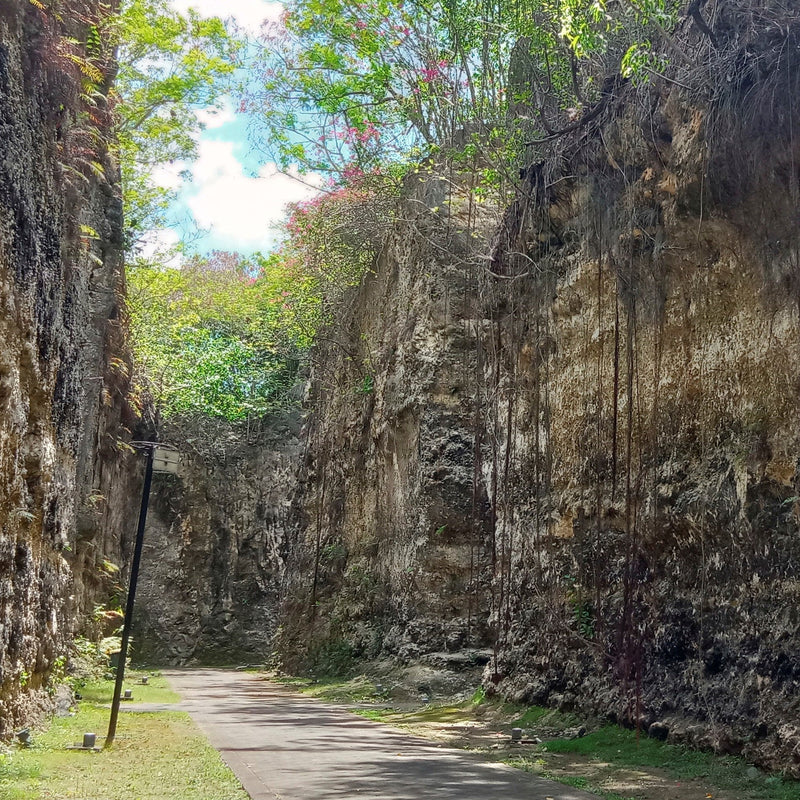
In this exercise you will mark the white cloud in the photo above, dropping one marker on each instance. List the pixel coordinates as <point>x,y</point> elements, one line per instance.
<point>249,14</point>
<point>211,118</point>
<point>160,246</point>
<point>169,174</point>
<point>240,211</point>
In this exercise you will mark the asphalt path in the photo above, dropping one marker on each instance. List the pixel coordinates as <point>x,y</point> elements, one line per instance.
<point>286,746</point>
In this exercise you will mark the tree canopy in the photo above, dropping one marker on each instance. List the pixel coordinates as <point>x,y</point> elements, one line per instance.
<point>346,83</point>
<point>170,66</point>
<point>218,336</point>
<point>358,91</point>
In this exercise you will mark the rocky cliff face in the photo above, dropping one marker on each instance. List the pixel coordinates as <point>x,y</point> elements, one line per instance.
<point>212,565</point>
<point>63,367</point>
<point>391,543</point>
<point>578,444</point>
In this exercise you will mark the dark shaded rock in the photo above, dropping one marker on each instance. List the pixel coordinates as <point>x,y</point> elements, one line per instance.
<point>212,568</point>
<point>65,475</point>
<point>658,730</point>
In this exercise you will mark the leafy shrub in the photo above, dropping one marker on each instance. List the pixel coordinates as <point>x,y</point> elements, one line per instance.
<point>89,660</point>
<point>334,657</point>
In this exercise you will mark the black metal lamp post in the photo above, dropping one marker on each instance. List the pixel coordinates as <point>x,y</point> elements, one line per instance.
<point>159,459</point>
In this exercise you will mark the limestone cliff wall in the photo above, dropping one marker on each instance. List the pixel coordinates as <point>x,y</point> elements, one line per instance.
<point>213,559</point>
<point>63,367</point>
<point>389,551</point>
<point>577,444</point>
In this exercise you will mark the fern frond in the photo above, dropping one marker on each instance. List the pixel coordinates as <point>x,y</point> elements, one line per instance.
<point>86,67</point>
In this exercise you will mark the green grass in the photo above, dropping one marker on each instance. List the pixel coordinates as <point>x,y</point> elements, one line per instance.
<point>443,714</point>
<point>478,696</point>
<point>433,713</point>
<point>532,716</point>
<point>621,747</point>
<point>291,680</point>
<point>354,690</point>
<point>155,755</point>
<point>539,716</point>
<point>156,691</point>
<point>375,714</point>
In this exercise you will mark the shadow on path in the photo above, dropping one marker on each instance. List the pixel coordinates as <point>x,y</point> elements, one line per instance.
<point>287,746</point>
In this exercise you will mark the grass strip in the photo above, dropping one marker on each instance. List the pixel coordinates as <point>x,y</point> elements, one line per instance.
<point>621,747</point>
<point>608,748</point>
<point>155,756</point>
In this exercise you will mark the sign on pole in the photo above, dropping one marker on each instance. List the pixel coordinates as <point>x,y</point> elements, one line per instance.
<point>159,459</point>
<point>165,459</point>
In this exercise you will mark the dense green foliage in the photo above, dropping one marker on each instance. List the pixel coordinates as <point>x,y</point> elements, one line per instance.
<point>225,336</point>
<point>219,336</point>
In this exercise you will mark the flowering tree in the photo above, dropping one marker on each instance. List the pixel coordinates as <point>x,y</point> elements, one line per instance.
<point>332,240</point>
<point>343,82</point>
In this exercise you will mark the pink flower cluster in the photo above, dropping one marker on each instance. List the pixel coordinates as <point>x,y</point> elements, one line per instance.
<point>434,72</point>
<point>361,135</point>
<point>305,215</point>
<point>383,29</point>
<point>352,173</point>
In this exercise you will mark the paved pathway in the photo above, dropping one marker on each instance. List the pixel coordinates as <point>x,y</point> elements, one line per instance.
<point>285,746</point>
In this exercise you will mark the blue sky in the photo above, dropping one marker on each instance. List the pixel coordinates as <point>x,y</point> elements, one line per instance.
<point>235,197</point>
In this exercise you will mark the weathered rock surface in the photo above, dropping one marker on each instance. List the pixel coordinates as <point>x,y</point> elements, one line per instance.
<point>212,565</point>
<point>582,448</point>
<point>63,366</point>
<point>391,538</point>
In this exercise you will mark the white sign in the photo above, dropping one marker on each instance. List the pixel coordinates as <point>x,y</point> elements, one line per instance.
<point>165,459</point>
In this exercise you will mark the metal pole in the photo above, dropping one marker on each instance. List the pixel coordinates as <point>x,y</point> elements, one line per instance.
<point>126,628</point>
